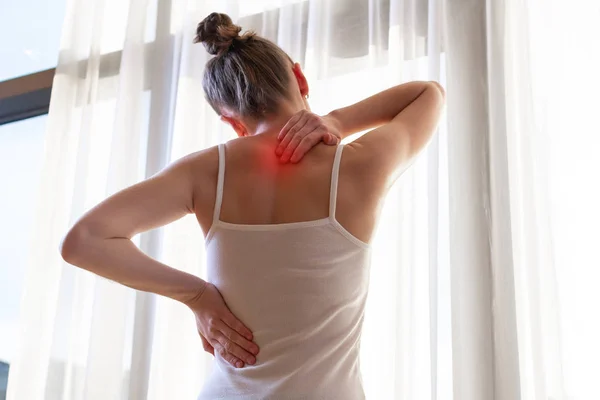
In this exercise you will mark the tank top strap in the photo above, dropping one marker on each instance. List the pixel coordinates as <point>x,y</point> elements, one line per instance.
<point>220,182</point>
<point>335,172</point>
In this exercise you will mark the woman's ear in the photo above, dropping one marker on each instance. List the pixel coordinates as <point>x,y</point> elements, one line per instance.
<point>301,79</point>
<point>237,126</point>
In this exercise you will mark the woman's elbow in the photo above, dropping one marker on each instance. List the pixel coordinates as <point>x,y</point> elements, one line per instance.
<point>439,87</point>
<point>72,244</point>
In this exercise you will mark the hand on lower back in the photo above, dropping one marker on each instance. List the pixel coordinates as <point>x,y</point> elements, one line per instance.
<point>303,132</point>
<point>221,331</point>
<point>206,345</point>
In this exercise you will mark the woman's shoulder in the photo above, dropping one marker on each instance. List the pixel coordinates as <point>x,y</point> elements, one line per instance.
<point>204,158</point>
<point>201,165</point>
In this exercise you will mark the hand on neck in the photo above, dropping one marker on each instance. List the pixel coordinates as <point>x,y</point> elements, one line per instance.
<point>272,124</point>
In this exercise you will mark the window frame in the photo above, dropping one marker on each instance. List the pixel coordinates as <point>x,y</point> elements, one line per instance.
<point>26,96</point>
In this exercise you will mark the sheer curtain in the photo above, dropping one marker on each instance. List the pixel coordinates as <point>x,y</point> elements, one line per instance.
<point>522,100</point>
<point>127,100</point>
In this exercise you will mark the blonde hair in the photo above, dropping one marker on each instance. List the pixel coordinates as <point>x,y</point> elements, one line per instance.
<point>248,75</point>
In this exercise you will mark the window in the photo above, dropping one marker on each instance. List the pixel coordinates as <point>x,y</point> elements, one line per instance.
<point>21,154</point>
<point>29,36</point>
<point>29,47</point>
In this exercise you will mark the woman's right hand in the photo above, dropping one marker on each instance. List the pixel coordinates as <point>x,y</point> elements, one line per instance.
<point>303,132</point>
<point>220,330</point>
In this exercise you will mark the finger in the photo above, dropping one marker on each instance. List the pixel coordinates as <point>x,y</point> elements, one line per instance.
<point>238,326</point>
<point>239,339</point>
<point>284,142</point>
<point>305,145</point>
<point>290,135</point>
<point>225,355</point>
<point>207,346</point>
<point>330,139</point>
<point>292,121</point>
<point>285,136</point>
<point>235,349</point>
<point>298,136</point>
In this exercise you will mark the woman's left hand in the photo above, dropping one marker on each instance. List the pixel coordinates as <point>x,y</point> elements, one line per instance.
<point>303,132</point>
<point>220,330</point>
<point>206,345</point>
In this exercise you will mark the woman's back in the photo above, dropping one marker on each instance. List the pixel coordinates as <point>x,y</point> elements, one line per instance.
<point>291,272</point>
<point>259,190</point>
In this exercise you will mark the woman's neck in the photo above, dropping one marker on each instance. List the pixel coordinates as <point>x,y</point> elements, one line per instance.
<point>273,124</point>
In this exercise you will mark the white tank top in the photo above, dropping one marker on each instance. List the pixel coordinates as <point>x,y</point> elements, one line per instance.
<point>301,288</point>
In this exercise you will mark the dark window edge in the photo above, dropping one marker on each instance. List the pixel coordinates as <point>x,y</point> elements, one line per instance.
<point>25,97</point>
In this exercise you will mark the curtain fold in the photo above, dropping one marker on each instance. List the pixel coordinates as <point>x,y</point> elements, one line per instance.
<point>508,305</point>
<point>469,203</point>
<point>484,85</point>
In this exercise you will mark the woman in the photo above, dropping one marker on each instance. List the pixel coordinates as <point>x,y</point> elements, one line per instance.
<point>287,242</point>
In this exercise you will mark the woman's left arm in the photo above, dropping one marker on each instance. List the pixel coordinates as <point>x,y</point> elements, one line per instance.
<point>100,242</point>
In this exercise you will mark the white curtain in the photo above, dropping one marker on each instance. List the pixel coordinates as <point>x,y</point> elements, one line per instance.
<point>464,297</point>
<point>522,106</point>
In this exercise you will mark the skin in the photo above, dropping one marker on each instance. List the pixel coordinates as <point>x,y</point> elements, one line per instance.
<point>263,162</point>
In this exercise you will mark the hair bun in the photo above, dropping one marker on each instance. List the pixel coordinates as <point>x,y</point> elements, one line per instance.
<point>217,33</point>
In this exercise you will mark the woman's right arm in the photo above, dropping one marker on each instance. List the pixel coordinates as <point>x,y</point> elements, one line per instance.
<point>406,116</point>
<point>378,109</point>
<point>391,110</point>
